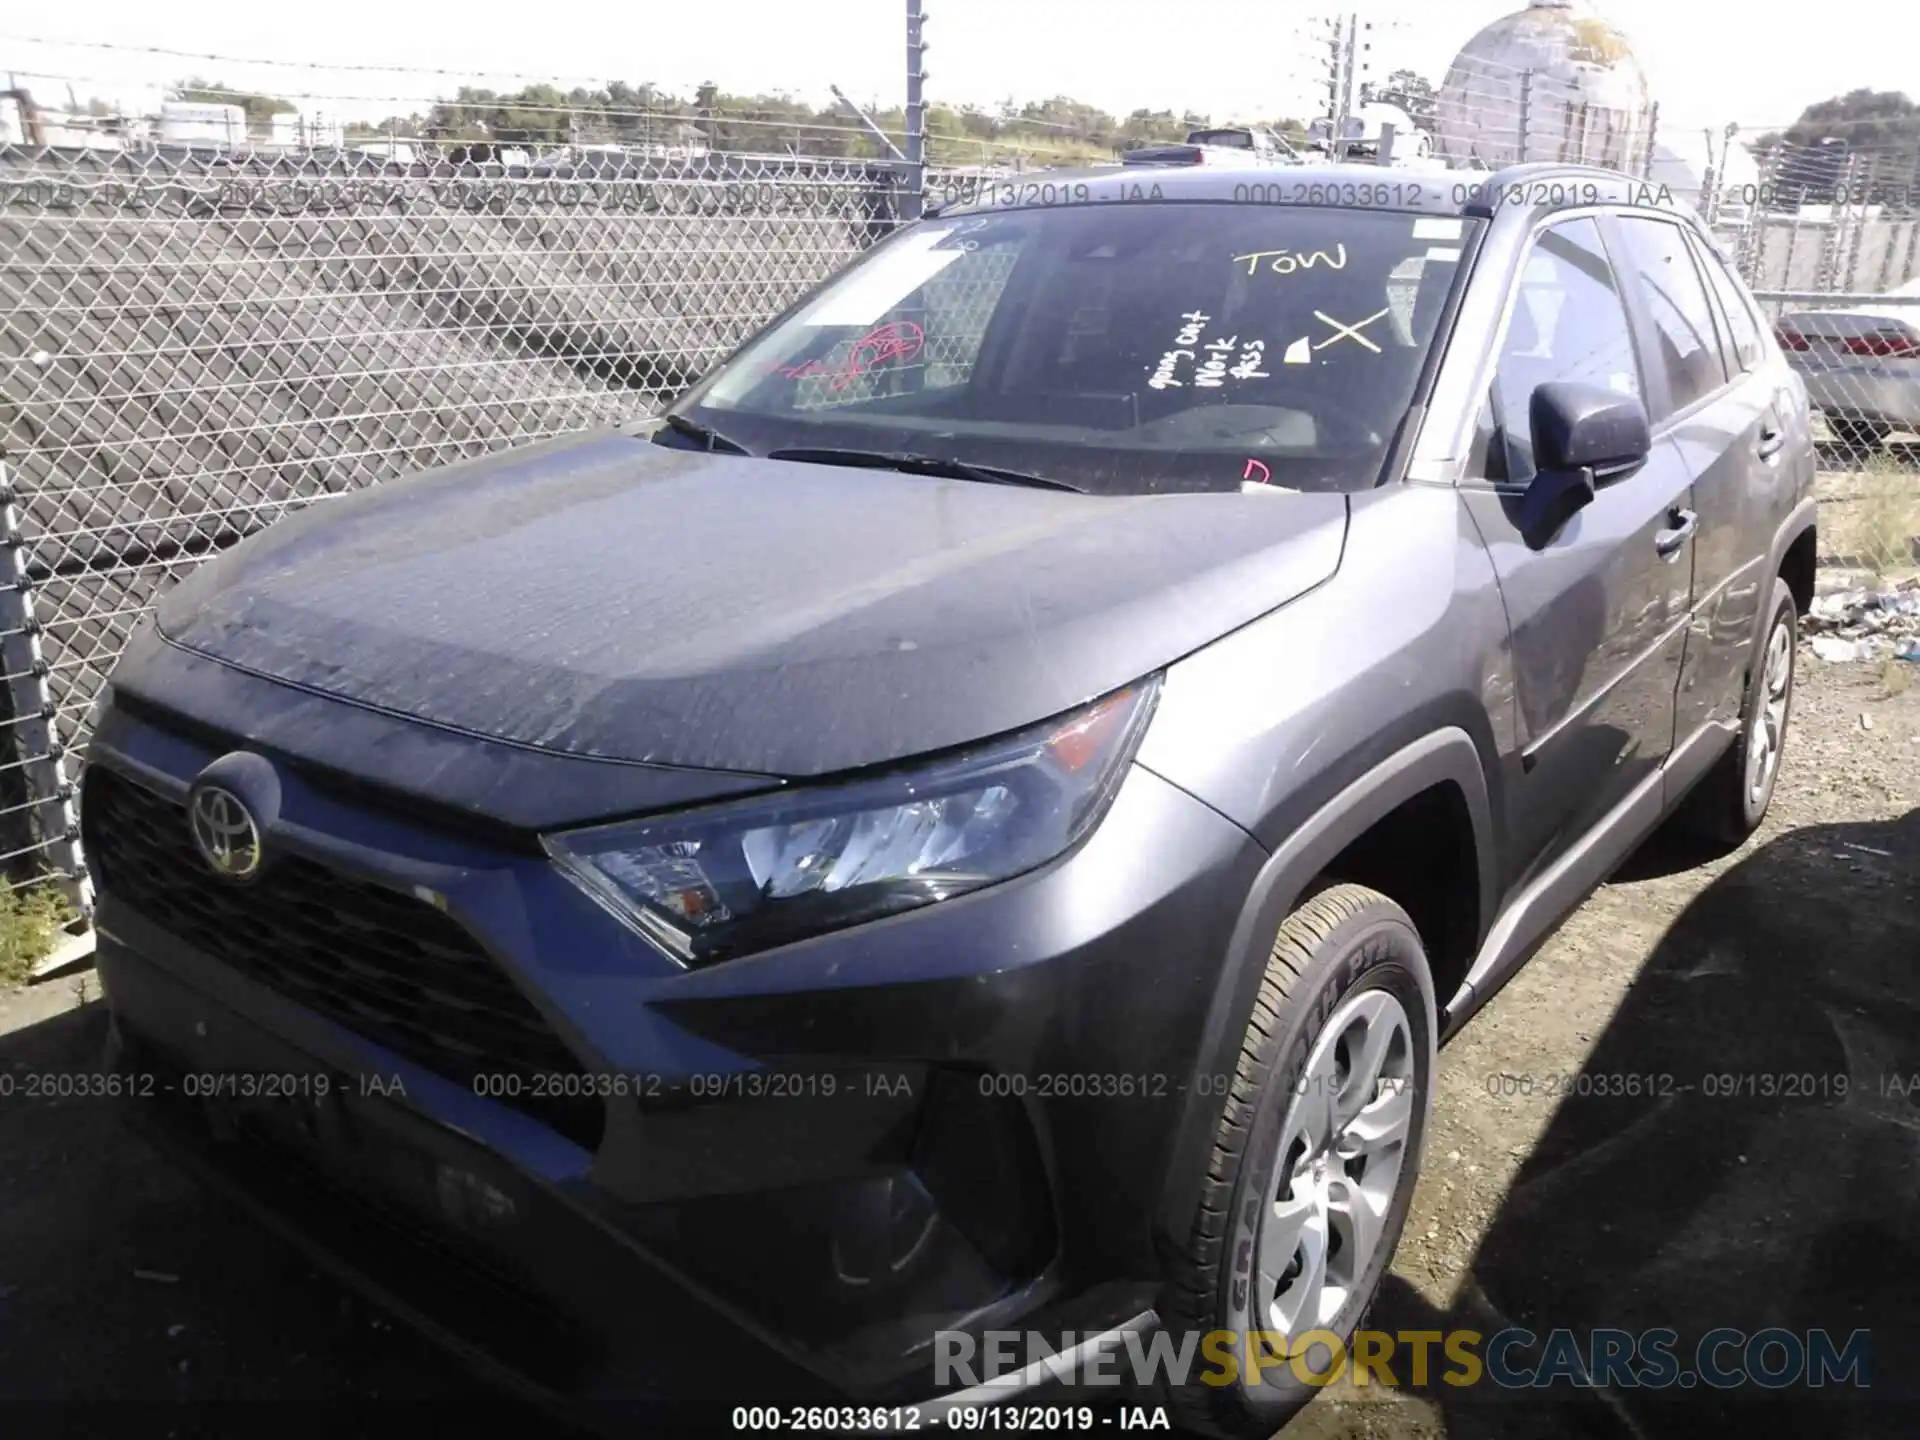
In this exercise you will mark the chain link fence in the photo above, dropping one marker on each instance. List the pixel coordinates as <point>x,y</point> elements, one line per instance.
<point>195,341</point>
<point>193,344</point>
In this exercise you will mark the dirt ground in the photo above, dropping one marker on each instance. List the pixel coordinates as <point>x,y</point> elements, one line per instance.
<point>1792,965</point>
<point>1774,1182</point>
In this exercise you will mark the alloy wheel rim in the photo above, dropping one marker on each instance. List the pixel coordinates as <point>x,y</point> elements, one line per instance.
<point>1770,715</point>
<point>1343,1149</point>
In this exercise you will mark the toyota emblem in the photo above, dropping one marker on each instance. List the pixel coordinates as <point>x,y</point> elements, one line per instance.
<point>225,833</point>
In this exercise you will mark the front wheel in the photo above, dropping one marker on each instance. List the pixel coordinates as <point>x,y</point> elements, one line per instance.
<point>1314,1161</point>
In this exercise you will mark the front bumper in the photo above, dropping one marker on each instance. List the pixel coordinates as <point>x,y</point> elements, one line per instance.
<point>812,1160</point>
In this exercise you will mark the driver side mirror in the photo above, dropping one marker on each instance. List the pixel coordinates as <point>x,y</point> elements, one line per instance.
<point>1584,437</point>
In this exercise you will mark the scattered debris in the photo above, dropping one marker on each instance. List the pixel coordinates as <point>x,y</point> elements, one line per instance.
<point>159,1277</point>
<point>1866,721</point>
<point>1866,624</point>
<point>1867,849</point>
<point>174,1332</point>
<point>1839,652</point>
<point>1838,579</point>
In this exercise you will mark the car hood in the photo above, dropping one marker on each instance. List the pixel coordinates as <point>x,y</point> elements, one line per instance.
<point>604,596</point>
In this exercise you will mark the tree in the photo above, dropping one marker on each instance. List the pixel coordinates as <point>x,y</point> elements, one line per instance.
<point>1864,145</point>
<point>1864,119</point>
<point>1058,130</point>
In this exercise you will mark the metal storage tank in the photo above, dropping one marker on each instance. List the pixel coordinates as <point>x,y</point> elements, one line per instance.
<point>1554,81</point>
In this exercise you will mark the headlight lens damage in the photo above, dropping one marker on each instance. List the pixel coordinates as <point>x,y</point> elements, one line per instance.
<point>725,881</point>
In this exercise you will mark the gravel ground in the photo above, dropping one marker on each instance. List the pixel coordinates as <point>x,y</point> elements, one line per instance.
<point>1793,964</point>
<point>1787,974</point>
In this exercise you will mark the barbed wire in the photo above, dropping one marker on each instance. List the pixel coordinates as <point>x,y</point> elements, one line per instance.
<point>592,108</point>
<point>345,67</point>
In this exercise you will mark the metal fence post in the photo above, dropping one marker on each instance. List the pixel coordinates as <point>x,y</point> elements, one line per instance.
<point>914,202</point>
<point>1859,193</point>
<point>1889,229</point>
<point>1526,111</point>
<point>1750,251</point>
<point>37,751</point>
<point>1913,220</point>
<point>1907,263</point>
<point>1710,183</point>
<point>1653,138</point>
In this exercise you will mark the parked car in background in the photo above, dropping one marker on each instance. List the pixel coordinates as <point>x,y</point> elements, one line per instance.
<point>1861,365</point>
<point>1231,145</point>
<point>1377,132</point>
<point>979,817</point>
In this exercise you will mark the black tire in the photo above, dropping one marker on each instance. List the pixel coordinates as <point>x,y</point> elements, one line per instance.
<point>1725,808</point>
<point>1857,435</point>
<point>1332,953</point>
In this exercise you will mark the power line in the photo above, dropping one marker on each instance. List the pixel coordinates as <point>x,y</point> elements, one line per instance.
<point>588,108</point>
<point>345,68</point>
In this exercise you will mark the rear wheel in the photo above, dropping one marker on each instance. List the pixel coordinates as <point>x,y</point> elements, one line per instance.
<point>1729,804</point>
<point>1314,1159</point>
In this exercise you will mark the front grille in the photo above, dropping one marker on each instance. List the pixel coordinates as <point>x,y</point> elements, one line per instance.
<point>381,963</point>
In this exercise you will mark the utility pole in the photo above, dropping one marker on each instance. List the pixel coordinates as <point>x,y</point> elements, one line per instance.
<point>916,167</point>
<point>1332,107</point>
<point>1344,102</point>
<point>1344,69</point>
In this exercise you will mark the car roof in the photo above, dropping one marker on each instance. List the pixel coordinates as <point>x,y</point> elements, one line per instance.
<point>1524,191</point>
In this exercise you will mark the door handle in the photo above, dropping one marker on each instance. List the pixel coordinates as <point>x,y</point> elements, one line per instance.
<point>1772,441</point>
<point>1669,542</point>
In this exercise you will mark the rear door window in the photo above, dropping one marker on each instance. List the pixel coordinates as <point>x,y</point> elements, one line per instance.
<point>1743,348</point>
<point>1688,350</point>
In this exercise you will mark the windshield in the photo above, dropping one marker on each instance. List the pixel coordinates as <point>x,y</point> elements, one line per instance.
<point>1124,348</point>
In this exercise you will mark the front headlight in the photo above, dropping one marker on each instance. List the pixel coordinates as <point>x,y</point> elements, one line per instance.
<point>725,881</point>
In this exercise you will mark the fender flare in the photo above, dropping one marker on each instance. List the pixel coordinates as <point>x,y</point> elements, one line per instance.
<point>1801,520</point>
<point>1443,756</point>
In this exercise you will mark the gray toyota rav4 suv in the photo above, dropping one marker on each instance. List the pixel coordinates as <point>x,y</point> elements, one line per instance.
<point>977,819</point>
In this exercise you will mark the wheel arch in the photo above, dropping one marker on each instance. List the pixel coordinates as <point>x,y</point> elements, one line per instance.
<point>1445,759</point>
<point>1796,553</point>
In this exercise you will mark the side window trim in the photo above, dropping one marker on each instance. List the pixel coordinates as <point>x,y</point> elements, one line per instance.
<point>1730,360</point>
<point>1722,333</point>
<point>1706,264</point>
<point>1647,329</point>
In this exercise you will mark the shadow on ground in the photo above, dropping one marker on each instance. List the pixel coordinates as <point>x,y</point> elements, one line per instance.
<point>1773,1182</point>
<point>134,1303</point>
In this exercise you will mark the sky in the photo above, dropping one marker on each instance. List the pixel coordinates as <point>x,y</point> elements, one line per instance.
<point>1233,59</point>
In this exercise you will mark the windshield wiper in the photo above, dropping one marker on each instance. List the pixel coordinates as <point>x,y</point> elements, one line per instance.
<point>935,465</point>
<point>705,434</point>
